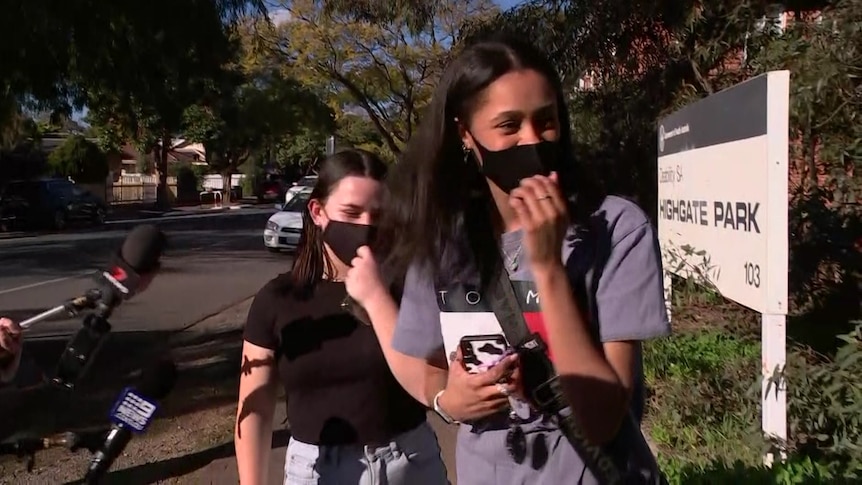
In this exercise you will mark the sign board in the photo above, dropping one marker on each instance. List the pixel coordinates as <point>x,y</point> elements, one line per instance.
<point>723,208</point>
<point>722,190</point>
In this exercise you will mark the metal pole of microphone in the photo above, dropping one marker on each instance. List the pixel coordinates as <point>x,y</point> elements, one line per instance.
<point>44,316</point>
<point>71,308</point>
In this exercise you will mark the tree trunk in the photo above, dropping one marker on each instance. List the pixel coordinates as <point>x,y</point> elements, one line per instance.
<point>163,198</point>
<point>226,186</point>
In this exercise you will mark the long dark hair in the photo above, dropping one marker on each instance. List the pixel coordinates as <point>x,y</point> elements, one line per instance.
<point>435,191</point>
<point>312,261</point>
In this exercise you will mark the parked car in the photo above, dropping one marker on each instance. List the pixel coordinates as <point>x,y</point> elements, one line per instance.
<point>283,229</point>
<point>50,203</point>
<point>270,190</point>
<point>299,186</point>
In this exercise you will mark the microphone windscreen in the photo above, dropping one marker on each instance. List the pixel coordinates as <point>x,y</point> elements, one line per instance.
<point>143,247</point>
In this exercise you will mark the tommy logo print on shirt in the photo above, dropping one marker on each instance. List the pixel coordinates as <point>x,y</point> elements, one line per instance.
<point>464,311</point>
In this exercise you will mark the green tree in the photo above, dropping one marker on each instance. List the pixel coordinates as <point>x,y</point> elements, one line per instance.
<point>147,107</point>
<point>640,61</point>
<point>301,153</point>
<point>356,130</point>
<point>252,114</point>
<point>55,49</point>
<point>80,159</point>
<point>18,127</point>
<point>133,65</point>
<point>386,67</point>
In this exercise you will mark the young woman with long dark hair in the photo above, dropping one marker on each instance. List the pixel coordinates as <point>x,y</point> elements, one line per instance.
<point>350,421</point>
<point>489,183</point>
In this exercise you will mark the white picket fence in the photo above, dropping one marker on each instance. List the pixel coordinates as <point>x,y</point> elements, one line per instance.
<point>137,188</point>
<point>215,182</point>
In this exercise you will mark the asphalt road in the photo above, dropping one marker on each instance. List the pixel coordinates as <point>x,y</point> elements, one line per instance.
<point>212,262</point>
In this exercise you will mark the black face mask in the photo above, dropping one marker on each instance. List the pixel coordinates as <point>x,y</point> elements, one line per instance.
<point>345,238</point>
<point>506,168</point>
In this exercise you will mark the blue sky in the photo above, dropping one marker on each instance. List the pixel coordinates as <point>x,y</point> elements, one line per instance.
<point>507,4</point>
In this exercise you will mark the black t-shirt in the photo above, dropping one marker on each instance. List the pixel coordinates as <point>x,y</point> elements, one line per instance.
<point>339,387</point>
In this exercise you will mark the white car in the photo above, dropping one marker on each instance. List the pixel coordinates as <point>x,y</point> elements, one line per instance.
<point>283,229</point>
<point>300,186</point>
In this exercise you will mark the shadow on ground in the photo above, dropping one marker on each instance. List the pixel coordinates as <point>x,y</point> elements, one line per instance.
<point>181,465</point>
<point>208,378</point>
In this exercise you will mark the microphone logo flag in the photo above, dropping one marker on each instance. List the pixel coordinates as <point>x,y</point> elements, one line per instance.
<point>116,282</point>
<point>133,410</point>
<point>119,273</point>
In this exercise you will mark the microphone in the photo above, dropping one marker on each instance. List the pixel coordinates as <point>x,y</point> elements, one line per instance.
<point>136,261</point>
<point>132,413</point>
<point>133,266</point>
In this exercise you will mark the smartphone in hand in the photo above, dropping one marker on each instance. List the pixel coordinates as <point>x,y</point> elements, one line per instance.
<point>481,352</point>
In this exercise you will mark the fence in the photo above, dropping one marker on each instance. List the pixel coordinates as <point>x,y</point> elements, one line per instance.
<point>136,189</point>
<point>215,182</point>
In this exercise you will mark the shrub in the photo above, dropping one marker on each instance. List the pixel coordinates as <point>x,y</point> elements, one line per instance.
<point>80,159</point>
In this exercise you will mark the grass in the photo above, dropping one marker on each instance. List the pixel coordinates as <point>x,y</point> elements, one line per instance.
<point>703,409</point>
<point>702,403</point>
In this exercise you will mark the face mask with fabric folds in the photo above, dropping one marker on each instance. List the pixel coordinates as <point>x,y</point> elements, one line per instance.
<point>507,167</point>
<point>345,238</point>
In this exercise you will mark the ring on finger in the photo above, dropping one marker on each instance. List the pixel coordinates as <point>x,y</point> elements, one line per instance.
<point>544,197</point>
<point>503,390</point>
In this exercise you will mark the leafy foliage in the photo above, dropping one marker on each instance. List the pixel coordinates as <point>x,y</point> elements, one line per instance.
<point>386,65</point>
<point>80,159</point>
<point>629,65</point>
<point>825,59</point>
<point>826,406</point>
<point>638,61</point>
<point>704,386</point>
<point>257,112</point>
<point>358,131</point>
<point>135,65</point>
<point>58,51</point>
<point>301,154</point>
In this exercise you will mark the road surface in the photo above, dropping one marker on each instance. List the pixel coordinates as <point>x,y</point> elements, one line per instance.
<point>212,262</point>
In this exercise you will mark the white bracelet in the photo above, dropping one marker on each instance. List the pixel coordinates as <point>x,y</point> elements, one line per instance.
<point>440,412</point>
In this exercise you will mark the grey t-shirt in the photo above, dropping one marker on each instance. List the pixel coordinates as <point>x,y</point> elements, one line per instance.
<point>614,264</point>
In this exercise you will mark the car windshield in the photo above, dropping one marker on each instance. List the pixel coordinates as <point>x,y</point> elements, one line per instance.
<point>297,203</point>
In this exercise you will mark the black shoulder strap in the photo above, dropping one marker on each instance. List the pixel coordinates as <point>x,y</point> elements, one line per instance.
<point>507,310</point>
<point>540,380</point>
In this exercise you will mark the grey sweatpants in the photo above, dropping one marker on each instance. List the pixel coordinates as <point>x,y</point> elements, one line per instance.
<point>412,458</point>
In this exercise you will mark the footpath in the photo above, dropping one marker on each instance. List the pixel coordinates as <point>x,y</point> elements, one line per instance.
<point>192,440</point>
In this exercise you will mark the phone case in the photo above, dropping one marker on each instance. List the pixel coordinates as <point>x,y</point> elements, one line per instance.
<point>481,352</point>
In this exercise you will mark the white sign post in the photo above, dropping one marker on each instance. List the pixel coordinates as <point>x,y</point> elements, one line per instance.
<point>723,204</point>
<point>330,145</point>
